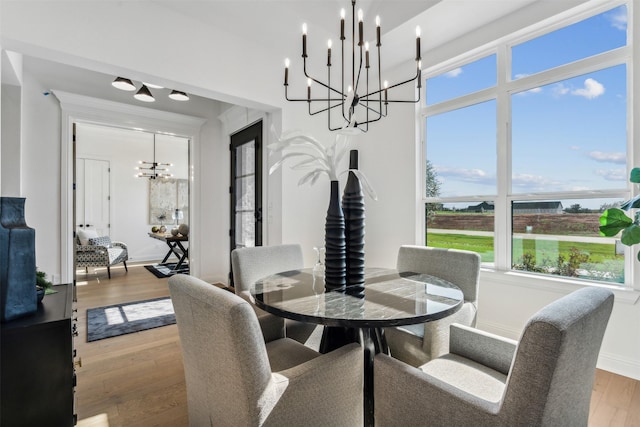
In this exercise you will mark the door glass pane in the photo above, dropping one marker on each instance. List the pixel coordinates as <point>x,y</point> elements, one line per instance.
<point>245,160</point>
<point>245,229</point>
<point>571,135</point>
<point>245,195</point>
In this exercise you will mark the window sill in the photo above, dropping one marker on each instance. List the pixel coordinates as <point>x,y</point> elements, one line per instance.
<point>558,285</point>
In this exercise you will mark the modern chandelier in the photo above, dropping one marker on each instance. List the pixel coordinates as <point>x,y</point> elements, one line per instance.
<point>153,170</point>
<point>358,104</point>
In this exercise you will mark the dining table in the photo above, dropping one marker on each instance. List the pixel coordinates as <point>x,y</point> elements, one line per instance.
<point>390,298</point>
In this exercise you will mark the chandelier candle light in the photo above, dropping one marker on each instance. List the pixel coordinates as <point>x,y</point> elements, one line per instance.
<point>153,170</point>
<point>359,104</point>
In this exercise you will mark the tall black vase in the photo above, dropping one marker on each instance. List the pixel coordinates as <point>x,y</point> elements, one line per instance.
<point>17,261</point>
<point>353,209</point>
<point>335,258</point>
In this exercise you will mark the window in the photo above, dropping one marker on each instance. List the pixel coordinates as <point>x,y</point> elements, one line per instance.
<point>472,77</point>
<point>527,194</point>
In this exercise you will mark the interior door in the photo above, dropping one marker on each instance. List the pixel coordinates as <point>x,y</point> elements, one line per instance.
<point>246,188</point>
<point>93,195</point>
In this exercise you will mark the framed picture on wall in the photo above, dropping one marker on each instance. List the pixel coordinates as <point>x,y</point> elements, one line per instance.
<point>165,196</point>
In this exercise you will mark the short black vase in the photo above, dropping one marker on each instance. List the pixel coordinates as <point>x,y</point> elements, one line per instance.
<point>335,257</point>
<point>353,209</point>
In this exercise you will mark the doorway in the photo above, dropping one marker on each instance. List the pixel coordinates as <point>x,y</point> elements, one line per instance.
<point>246,188</point>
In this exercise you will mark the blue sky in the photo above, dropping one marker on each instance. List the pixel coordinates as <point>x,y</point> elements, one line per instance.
<point>566,136</point>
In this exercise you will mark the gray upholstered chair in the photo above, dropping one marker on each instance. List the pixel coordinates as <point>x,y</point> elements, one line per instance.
<point>234,379</point>
<point>545,379</point>
<point>251,264</point>
<point>417,344</point>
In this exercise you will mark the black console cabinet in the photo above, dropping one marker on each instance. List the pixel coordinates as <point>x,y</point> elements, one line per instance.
<point>37,376</point>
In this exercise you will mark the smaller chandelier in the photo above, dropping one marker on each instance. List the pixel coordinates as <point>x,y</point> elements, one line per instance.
<point>153,170</point>
<point>358,104</point>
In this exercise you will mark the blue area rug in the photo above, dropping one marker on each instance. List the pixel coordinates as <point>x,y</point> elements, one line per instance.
<point>126,318</point>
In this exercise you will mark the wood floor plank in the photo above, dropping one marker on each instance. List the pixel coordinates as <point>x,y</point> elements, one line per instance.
<point>137,380</point>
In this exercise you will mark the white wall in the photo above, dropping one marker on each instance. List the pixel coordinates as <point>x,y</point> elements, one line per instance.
<point>104,33</point>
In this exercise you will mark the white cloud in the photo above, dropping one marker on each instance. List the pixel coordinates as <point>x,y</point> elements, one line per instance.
<point>592,89</point>
<point>618,21</point>
<point>453,73</point>
<point>467,175</point>
<point>608,157</point>
<point>560,89</point>
<point>612,174</point>
<point>526,92</point>
<point>574,148</point>
<point>533,183</point>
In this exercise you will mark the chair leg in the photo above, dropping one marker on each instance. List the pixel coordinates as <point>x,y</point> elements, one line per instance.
<point>109,271</point>
<point>86,270</point>
<point>125,266</point>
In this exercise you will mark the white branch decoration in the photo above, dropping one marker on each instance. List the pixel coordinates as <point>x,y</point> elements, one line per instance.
<point>314,156</point>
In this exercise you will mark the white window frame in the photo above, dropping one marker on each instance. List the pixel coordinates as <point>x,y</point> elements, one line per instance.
<point>502,92</point>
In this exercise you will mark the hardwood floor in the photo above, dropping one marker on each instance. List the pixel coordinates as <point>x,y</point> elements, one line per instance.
<point>138,379</point>
<point>135,379</point>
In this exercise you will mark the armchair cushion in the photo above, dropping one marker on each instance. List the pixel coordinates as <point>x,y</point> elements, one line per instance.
<point>101,241</point>
<point>85,235</point>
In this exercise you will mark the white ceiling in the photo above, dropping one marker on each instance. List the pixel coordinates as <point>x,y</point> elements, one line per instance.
<point>275,25</point>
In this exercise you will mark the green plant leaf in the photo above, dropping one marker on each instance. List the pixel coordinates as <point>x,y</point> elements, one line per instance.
<point>635,175</point>
<point>630,235</point>
<point>631,203</point>
<point>612,221</point>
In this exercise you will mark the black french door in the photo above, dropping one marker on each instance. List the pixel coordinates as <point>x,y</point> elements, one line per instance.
<point>246,188</point>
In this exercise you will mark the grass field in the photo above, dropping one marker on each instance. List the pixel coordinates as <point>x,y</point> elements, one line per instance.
<point>602,259</point>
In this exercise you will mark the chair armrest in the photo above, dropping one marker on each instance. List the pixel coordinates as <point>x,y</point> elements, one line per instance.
<point>483,347</point>
<point>328,387</point>
<point>120,244</point>
<point>436,339</point>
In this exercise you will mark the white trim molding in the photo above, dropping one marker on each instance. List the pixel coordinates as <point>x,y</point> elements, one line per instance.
<point>84,109</point>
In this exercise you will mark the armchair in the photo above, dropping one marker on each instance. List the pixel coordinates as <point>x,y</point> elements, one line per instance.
<point>233,378</point>
<point>545,379</point>
<point>417,344</point>
<point>101,252</point>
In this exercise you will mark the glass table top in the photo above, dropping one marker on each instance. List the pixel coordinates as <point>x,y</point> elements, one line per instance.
<point>391,298</point>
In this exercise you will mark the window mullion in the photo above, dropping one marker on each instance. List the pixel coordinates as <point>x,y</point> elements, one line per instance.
<point>502,241</point>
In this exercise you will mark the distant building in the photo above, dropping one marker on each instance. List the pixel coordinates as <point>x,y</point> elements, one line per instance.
<point>537,207</point>
<point>521,207</point>
<point>482,207</point>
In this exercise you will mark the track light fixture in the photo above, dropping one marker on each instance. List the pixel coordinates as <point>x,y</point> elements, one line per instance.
<point>176,95</point>
<point>144,95</point>
<point>123,84</point>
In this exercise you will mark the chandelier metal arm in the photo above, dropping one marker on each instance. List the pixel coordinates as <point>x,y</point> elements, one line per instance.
<point>369,107</point>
